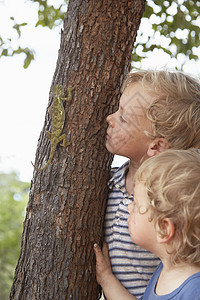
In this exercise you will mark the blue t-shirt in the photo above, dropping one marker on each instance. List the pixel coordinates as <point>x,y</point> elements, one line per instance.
<point>188,290</point>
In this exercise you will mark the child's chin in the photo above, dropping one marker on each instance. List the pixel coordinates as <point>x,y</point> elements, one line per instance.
<point>109,148</point>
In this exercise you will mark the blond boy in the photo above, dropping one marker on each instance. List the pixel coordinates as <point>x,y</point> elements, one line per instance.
<point>157,110</point>
<point>164,219</point>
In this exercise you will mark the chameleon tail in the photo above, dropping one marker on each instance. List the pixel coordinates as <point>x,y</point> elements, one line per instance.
<point>49,160</point>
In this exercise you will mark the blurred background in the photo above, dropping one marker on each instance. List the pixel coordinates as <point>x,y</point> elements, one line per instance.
<point>29,44</point>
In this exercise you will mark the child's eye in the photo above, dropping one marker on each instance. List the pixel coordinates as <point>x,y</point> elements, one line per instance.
<point>122,119</point>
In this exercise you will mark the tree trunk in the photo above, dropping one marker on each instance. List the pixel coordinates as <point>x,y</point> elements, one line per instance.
<point>67,200</point>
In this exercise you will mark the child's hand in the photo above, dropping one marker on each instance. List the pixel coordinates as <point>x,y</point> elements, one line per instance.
<point>111,286</point>
<point>103,267</point>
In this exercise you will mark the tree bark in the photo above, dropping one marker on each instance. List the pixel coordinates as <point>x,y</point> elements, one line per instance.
<point>67,200</point>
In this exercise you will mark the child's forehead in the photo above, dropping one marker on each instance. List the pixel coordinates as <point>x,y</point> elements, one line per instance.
<point>134,95</point>
<point>140,192</point>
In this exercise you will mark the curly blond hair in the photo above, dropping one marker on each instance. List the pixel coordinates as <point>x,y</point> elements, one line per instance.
<point>172,185</point>
<point>175,112</point>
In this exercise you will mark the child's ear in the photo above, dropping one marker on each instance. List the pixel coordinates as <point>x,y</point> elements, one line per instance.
<point>168,229</point>
<point>156,146</point>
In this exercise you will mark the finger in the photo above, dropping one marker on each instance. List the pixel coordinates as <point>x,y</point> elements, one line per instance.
<point>105,252</point>
<point>105,249</point>
<point>98,253</point>
<point>100,263</point>
<point>96,248</point>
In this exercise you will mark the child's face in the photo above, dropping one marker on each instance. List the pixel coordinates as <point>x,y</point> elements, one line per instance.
<point>125,133</point>
<point>141,230</point>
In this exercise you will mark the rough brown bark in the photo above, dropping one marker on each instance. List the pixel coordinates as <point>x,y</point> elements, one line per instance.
<point>67,200</point>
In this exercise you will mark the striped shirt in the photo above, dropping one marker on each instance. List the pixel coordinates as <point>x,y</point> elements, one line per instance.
<point>131,264</point>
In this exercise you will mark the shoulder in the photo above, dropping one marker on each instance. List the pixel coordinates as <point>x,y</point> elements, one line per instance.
<point>191,287</point>
<point>115,171</point>
<point>117,175</point>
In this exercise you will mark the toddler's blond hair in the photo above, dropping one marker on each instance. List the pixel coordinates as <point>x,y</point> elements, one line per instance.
<point>172,183</point>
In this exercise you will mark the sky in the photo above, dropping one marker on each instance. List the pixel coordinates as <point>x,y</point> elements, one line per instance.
<point>24,93</point>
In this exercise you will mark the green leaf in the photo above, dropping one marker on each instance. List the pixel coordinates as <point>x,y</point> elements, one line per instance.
<point>28,59</point>
<point>4,52</point>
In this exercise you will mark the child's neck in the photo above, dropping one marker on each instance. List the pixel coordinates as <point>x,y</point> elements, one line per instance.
<point>172,276</point>
<point>130,175</point>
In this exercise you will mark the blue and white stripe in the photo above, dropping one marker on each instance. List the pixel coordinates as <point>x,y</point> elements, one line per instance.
<point>131,264</point>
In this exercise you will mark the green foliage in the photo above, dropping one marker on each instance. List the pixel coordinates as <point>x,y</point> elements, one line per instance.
<point>49,15</point>
<point>174,28</point>
<point>6,48</point>
<point>13,199</point>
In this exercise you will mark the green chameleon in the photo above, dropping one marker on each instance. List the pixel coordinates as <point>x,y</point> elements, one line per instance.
<point>58,120</point>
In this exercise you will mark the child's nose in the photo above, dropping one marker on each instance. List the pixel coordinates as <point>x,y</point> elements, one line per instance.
<point>110,120</point>
<point>130,207</point>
